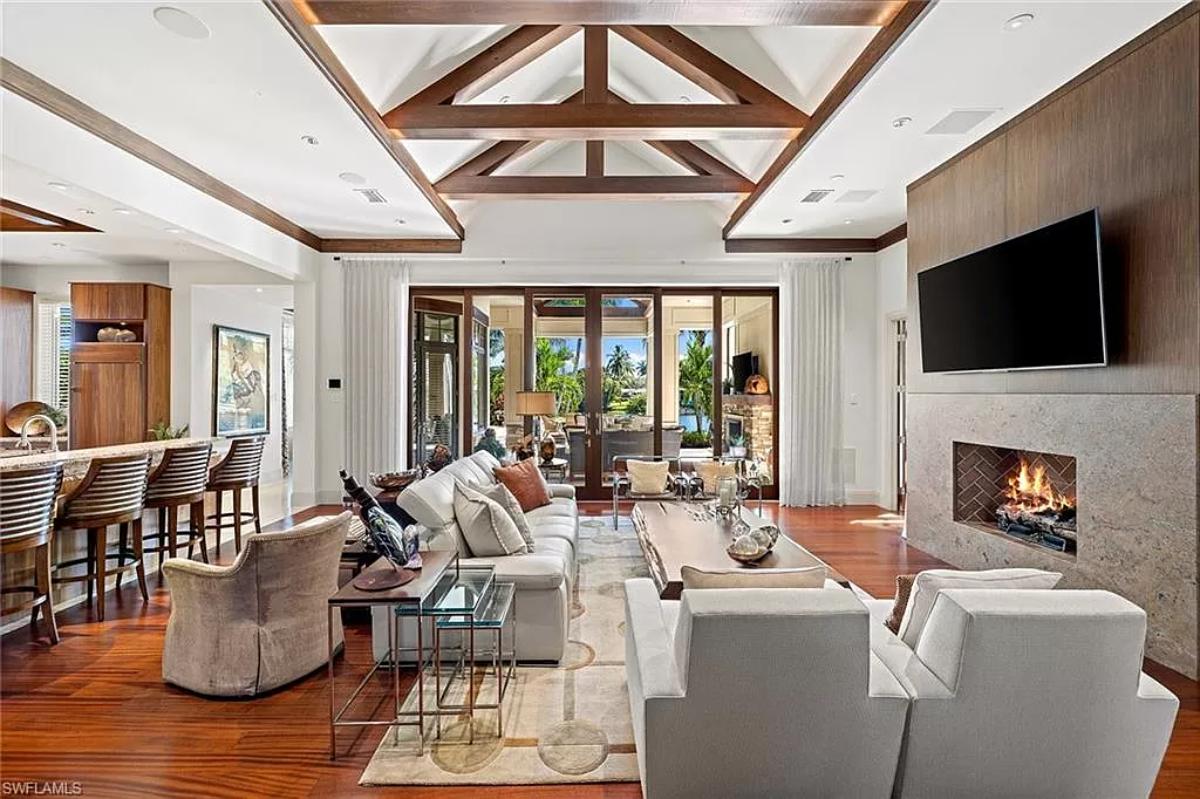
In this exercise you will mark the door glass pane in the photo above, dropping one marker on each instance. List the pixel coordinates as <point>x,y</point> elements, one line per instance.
<point>687,393</point>
<point>627,422</point>
<point>496,373</point>
<point>435,377</point>
<point>747,410</point>
<point>560,367</point>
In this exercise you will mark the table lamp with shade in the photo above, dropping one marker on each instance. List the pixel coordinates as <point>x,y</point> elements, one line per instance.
<point>538,404</point>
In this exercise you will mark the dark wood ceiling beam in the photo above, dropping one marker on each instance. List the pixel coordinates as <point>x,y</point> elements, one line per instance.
<point>881,44</point>
<point>896,234</point>
<point>759,246</point>
<point>699,65</point>
<point>594,188</point>
<point>500,153</point>
<point>495,63</point>
<point>595,88</point>
<point>686,154</point>
<point>787,245</point>
<point>15,217</point>
<point>392,245</point>
<point>601,12</point>
<point>310,41</point>
<point>594,121</point>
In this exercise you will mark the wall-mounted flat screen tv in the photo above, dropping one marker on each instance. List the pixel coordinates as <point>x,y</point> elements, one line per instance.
<point>1035,301</point>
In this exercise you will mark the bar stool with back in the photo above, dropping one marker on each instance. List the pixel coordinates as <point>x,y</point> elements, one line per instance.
<point>237,471</point>
<point>111,493</point>
<point>178,480</point>
<point>27,499</point>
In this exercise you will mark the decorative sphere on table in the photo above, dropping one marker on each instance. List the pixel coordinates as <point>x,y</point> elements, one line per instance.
<point>746,549</point>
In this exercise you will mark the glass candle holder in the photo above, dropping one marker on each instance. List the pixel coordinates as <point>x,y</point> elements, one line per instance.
<point>727,491</point>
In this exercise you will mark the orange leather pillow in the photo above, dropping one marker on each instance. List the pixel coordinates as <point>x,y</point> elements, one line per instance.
<point>526,483</point>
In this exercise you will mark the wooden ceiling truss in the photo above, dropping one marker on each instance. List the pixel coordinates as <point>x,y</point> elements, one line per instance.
<point>594,114</point>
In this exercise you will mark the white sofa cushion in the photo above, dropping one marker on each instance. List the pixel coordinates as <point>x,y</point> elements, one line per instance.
<point>486,525</point>
<point>928,583</point>
<point>809,577</point>
<point>541,570</point>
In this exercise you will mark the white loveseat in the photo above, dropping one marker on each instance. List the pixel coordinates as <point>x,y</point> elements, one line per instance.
<point>544,578</point>
<point>759,693</point>
<point>1029,693</point>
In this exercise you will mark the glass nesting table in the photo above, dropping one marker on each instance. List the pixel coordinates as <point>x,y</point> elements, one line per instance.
<point>460,604</point>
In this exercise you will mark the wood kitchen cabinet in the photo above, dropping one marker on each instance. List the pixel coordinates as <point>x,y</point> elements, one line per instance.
<point>119,390</point>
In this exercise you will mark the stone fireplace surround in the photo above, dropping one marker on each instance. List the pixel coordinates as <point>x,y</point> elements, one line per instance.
<point>1136,488</point>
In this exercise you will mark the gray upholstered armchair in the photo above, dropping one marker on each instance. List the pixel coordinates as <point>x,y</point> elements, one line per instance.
<point>259,623</point>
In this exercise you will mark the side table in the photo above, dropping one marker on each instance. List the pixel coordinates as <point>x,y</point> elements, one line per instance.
<point>408,601</point>
<point>555,471</point>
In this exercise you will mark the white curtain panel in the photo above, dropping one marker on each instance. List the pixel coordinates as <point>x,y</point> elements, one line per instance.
<point>810,383</point>
<point>375,295</point>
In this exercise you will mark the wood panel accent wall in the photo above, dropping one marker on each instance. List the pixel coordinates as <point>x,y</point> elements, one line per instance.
<point>16,356</point>
<point>1123,137</point>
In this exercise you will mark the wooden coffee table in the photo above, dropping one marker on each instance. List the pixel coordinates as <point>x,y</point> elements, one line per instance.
<point>671,538</point>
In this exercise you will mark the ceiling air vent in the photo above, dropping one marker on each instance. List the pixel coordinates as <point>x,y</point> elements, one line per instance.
<point>960,121</point>
<point>816,195</point>
<point>371,195</point>
<point>857,195</point>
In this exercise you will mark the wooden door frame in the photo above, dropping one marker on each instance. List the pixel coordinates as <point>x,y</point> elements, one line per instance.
<point>657,293</point>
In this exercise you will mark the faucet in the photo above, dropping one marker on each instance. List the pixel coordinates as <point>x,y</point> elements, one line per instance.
<point>25,443</point>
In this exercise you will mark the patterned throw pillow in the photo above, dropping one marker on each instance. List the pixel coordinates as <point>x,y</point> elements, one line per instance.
<point>904,584</point>
<point>500,494</point>
<point>486,526</point>
<point>525,481</point>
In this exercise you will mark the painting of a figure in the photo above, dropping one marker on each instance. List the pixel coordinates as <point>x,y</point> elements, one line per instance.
<point>241,381</point>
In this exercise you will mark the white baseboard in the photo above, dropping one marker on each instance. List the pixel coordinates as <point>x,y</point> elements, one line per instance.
<point>861,496</point>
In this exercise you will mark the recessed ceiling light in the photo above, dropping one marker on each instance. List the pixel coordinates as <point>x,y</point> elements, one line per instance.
<point>848,222</point>
<point>1019,21</point>
<point>787,221</point>
<point>174,230</point>
<point>57,244</point>
<point>258,290</point>
<point>57,186</point>
<point>86,211</point>
<point>311,141</point>
<point>838,176</point>
<point>401,221</point>
<point>683,98</point>
<point>353,178</point>
<point>505,99</point>
<point>122,211</point>
<point>180,22</point>
<point>900,122</point>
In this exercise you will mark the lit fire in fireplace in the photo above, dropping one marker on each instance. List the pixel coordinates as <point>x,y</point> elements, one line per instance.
<point>1031,491</point>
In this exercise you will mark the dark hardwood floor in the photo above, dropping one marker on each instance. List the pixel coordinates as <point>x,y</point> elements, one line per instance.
<point>94,709</point>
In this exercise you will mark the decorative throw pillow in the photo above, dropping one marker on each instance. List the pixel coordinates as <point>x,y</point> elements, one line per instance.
<point>928,583</point>
<point>904,583</point>
<point>648,477</point>
<point>486,526</point>
<point>809,577</point>
<point>500,494</point>
<point>525,481</point>
<point>712,471</point>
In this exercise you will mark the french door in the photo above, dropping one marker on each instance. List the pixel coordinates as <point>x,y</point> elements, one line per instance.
<point>632,370</point>
<point>596,350</point>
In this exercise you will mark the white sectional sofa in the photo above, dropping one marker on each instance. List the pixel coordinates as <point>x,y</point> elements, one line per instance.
<point>544,578</point>
<point>753,692</point>
<point>1006,693</point>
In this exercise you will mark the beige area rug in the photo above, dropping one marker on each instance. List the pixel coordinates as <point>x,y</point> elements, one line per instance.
<point>568,724</point>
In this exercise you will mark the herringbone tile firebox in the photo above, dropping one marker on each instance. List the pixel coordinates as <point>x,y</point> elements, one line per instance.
<point>982,472</point>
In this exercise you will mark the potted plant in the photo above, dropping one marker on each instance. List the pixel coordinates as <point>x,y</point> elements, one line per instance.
<point>737,446</point>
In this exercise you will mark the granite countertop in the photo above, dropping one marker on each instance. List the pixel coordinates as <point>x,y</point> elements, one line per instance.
<point>77,460</point>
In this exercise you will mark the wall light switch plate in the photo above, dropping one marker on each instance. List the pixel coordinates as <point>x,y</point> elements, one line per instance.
<point>335,383</point>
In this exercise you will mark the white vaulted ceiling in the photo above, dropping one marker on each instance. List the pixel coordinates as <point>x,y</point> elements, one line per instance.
<point>236,104</point>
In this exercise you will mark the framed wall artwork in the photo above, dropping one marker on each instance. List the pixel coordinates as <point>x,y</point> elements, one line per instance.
<point>241,398</point>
